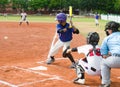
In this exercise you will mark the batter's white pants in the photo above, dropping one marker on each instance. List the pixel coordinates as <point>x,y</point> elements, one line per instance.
<point>57,46</point>
<point>96,21</point>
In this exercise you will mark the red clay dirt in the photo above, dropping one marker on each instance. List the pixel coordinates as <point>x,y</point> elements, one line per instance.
<point>25,47</point>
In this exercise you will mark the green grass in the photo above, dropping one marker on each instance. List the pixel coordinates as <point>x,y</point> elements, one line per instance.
<point>31,18</point>
<point>84,24</point>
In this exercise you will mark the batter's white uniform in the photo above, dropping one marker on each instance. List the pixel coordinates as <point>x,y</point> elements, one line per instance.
<point>92,66</point>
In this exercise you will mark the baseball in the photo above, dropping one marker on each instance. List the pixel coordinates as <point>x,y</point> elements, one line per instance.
<point>5,37</point>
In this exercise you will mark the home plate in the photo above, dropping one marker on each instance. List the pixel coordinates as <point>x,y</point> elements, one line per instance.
<point>39,68</point>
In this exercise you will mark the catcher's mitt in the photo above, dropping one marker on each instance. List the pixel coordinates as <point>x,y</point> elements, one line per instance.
<point>64,52</point>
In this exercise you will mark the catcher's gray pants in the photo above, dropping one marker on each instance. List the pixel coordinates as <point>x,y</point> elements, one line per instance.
<point>106,65</point>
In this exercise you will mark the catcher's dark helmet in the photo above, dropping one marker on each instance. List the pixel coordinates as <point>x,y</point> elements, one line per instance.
<point>112,26</point>
<point>93,38</point>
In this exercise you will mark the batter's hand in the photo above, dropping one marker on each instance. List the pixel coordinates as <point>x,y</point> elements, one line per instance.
<point>65,29</point>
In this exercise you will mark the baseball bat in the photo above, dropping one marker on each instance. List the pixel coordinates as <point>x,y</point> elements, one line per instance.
<point>70,14</point>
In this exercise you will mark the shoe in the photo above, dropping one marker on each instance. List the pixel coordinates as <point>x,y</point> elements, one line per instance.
<point>73,65</point>
<point>104,85</point>
<point>50,60</point>
<point>79,81</point>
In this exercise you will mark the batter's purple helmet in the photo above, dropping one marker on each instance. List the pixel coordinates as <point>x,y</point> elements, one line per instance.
<point>61,17</point>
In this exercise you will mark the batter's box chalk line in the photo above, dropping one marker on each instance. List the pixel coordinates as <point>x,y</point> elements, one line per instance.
<point>51,77</point>
<point>39,68</point>
<point>8,84</point>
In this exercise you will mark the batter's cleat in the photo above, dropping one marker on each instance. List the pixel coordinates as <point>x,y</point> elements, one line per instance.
<point>104,85</point>
<point>79,81</point>
<point>50,60</point>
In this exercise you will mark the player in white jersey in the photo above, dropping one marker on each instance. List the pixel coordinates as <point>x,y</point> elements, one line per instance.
<point>23,18</point>
<point>91,63</point>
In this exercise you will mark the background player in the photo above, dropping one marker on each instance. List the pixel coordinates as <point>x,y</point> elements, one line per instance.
<point>96,19</point>
<point>23,18</point>
<point>110,50</point>
<point>91,63</point>
<point>65,36</point>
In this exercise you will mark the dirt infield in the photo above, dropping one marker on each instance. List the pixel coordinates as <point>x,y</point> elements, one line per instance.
<point>23,52</point>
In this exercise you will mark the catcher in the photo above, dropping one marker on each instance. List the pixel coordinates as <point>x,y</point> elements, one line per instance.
<point>91,63</point>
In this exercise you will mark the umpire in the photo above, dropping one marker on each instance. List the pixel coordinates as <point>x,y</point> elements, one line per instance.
<point>110,50</point>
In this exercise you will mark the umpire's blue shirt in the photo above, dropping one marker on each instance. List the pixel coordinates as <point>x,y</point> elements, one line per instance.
<point>65,36</point>
<point>111,44</point>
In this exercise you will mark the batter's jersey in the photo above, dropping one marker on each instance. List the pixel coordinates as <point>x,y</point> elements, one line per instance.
<point>65,36</point>
<point>92,66</point>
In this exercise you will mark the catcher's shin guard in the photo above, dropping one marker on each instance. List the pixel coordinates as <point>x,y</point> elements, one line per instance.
<point>69,55</point>
<point>80,71</point>
<point>80,75</point>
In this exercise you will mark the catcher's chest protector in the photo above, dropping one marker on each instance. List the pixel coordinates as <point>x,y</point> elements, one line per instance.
<point>92,53</point>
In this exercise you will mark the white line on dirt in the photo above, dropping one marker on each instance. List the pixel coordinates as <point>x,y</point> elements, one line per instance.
<point>3,67</point>
<point>53,78</point>
<point>35,72</point>
<point>39,68</point>
<point>6,83</point>
<point>39,73</point>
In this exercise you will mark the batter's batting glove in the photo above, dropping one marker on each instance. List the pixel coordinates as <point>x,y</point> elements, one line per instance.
<point>76,31</point>
<point>65,54</point>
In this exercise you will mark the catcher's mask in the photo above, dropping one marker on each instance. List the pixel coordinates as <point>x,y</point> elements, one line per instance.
<point>114,26</point>
<point>93,38</point>
<point>61,17</point>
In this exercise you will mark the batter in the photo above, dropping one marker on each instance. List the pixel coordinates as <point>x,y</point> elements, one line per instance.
<point>65,33</point>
